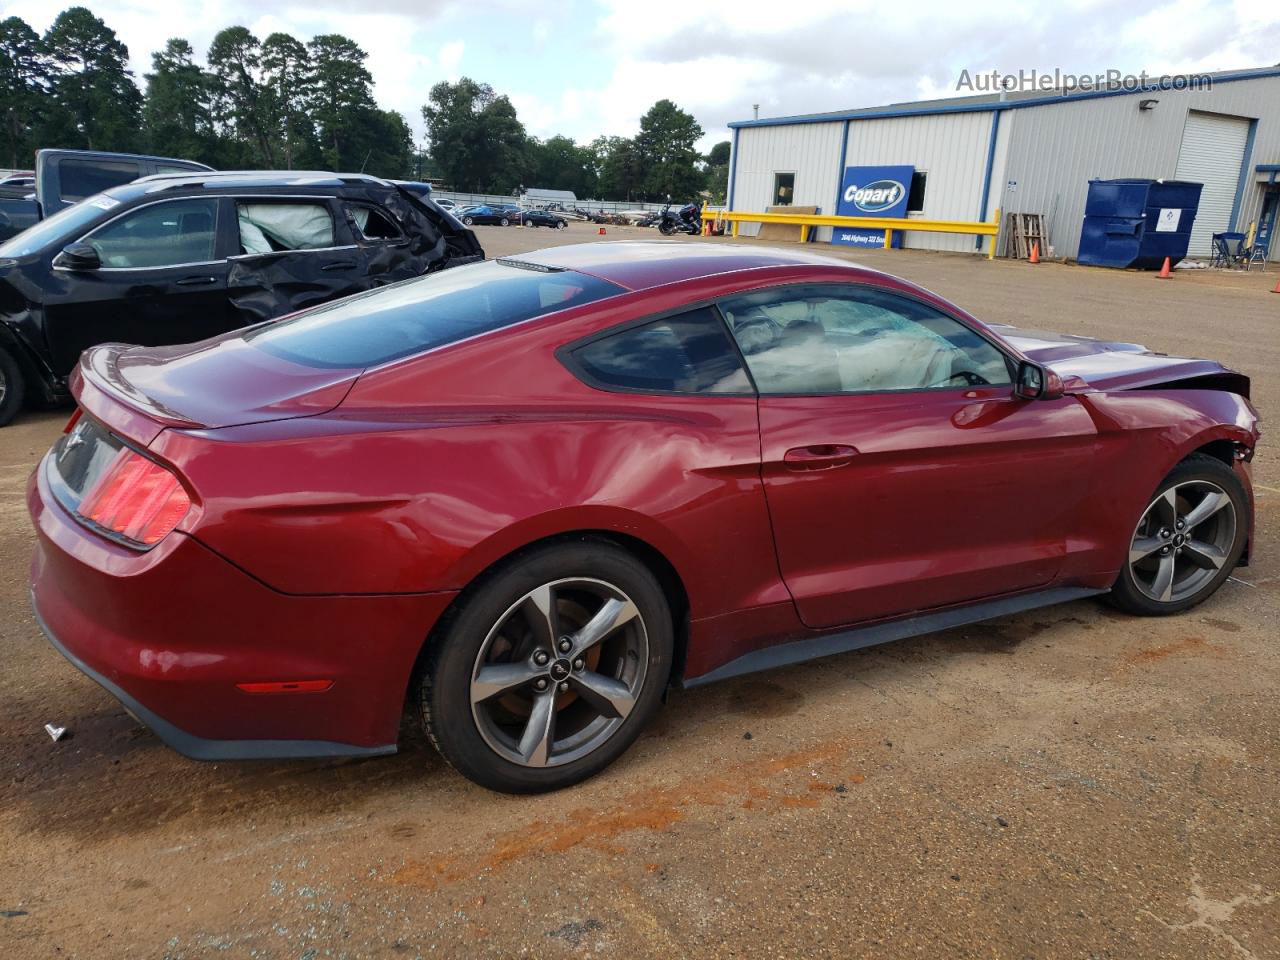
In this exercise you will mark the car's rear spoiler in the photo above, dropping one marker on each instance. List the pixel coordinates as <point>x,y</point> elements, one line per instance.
<point>108,397</point>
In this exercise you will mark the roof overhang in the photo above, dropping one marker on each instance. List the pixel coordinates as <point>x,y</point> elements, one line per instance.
<point>980,105</point>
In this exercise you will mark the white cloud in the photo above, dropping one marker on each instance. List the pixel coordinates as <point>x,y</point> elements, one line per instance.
<point>716,58</point>
<point>590,70</point>
<point>451,57</point>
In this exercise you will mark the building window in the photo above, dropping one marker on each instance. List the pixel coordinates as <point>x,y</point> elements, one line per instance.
<point>915,199</point>
<point>784,189</point>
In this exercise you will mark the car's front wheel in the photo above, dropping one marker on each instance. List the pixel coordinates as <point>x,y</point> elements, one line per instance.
<point>1187,541</point>
<point>549,668</point>
<point>469,221</point>
<point>505,221</point>
<point>12,387</point>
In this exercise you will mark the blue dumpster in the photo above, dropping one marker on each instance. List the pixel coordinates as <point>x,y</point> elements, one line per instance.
<point>1137,223</point>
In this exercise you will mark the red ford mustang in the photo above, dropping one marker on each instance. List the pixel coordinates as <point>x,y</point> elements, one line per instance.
<point>531,493</point>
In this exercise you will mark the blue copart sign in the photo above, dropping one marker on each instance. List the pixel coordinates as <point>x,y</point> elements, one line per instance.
<point>872,192</point>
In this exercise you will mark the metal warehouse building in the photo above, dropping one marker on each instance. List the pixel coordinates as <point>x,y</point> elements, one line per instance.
<point>1028,153</point>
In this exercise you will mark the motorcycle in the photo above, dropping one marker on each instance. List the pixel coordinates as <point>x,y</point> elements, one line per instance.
<point>686,220</point>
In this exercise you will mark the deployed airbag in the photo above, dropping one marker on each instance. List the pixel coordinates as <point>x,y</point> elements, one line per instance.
<point>269,227</point>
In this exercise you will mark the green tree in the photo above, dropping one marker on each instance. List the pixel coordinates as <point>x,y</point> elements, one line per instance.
<point>666,147</point>
<point>288,81</point>
<point>620,168</point>
<point>241,106</point>
<point>177,114</point>
<point>476,141</point>
<point>23,75</point>
<point>94,102</point>
<point>560,164</point>
<point>388,144</point>
<point>342,102</point>
<point>717,171</point>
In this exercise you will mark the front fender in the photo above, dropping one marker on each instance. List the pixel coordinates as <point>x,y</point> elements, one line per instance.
<point>1142,435</point>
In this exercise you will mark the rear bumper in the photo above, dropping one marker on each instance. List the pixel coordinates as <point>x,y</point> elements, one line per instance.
<point>171,633</point>
<point>205,748</point>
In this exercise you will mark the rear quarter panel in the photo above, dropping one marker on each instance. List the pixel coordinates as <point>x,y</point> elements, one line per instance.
<point>435,468</point>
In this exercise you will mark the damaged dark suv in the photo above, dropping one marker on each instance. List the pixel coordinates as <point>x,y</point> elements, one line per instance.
<point>176,258</point>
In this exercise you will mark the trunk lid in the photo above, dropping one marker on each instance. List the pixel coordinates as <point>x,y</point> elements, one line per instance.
<point>221,382</point>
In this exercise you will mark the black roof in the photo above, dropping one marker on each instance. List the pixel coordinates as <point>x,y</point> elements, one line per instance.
<point>318,181</point>
<point>262,178</point>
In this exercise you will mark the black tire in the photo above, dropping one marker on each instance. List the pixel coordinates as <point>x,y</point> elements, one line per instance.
<point>561,225</point>
<point>13,387</point>
<point>666,229</point>
<point>505,221</point>
<point>469,221</point>
<point>1128,595</point>
<point>459,641</point>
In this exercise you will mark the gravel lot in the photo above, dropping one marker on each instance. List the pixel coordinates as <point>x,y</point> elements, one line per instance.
<point>1071,782</point>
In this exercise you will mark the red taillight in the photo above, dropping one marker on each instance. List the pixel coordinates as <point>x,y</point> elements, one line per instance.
<point>136,498</point>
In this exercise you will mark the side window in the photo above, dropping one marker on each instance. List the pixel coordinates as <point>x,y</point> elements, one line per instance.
<point>784,189</point>
<point>842,339</point>
<point>160,235</point>
<point>269,226</point>
<point>688,353</point>
<point>373,223</point>
<point>78,179</point>
<point>915,198</point>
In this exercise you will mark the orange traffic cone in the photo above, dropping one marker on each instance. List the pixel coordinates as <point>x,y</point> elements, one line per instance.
<point>1277,289</point>
<point>1035,253</point>
<point>600,232</point>
<point>1164,271</point>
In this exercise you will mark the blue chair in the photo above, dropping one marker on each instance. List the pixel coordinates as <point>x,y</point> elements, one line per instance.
<point>1255,254</point>
<point>1228,250</point>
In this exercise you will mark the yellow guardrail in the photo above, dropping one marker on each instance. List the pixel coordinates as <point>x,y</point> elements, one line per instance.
<point>808,221</point>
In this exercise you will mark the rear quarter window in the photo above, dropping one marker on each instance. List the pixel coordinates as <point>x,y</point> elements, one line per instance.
<point>78,179</point>
<point>427,312</point>
<point>687,353</point>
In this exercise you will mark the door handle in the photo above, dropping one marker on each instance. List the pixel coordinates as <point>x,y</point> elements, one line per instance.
<point>197,281</point>
<point>819,456</point>
<point>338,265</point>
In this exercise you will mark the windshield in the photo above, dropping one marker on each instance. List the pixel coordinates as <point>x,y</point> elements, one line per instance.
<point>66,225</point>
<point>426,312</point>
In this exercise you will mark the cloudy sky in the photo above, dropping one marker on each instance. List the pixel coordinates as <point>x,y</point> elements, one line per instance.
<point>590,67</point>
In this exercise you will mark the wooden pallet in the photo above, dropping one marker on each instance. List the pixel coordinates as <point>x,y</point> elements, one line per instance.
<point>1022,231</point>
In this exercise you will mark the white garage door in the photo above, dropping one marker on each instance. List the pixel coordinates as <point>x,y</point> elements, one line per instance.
<point>1212,150</point>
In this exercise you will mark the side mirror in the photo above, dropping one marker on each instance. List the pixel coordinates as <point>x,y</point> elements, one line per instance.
<point>78,256</point>
<point>1037,383</point>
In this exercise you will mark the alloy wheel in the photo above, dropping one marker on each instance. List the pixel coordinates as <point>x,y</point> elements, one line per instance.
<point>1182,541</point>
<point>559,672</point>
